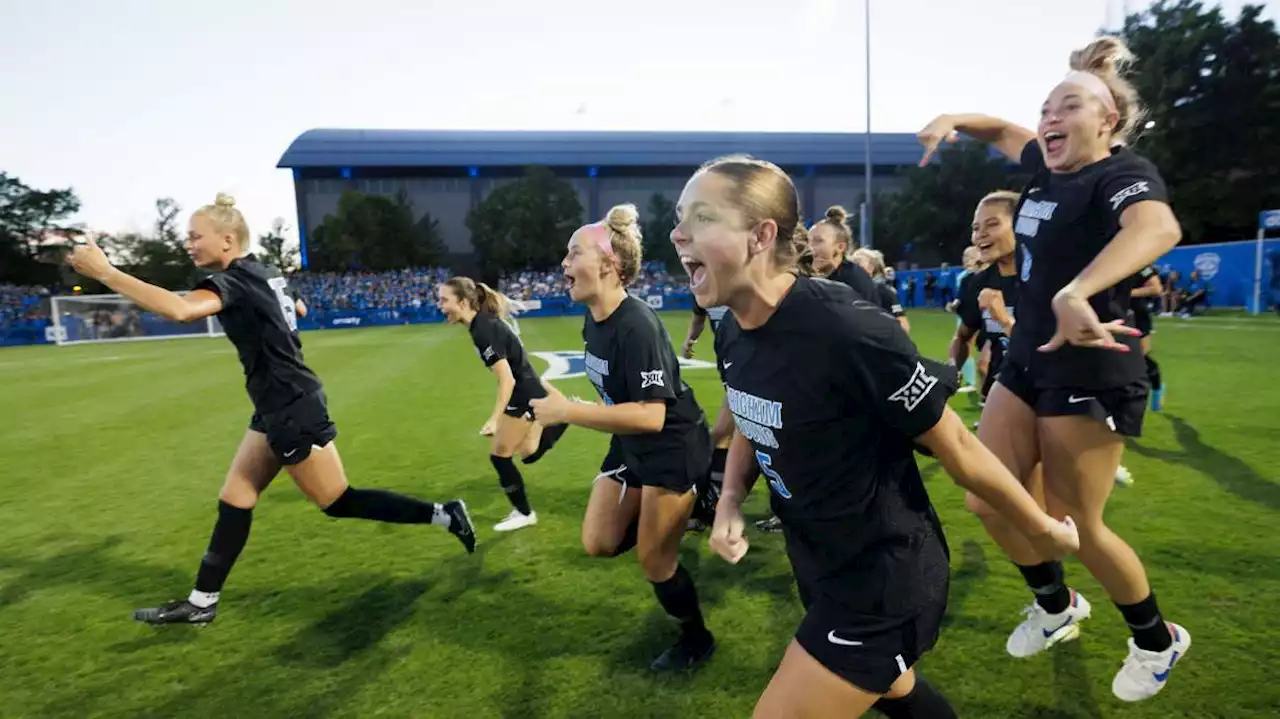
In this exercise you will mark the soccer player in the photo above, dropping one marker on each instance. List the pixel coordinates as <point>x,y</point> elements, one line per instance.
<point>484,311</point>
<point>831,399</point>
<point>1073,385</point>
<point>973,373</point>
<point>872,262</point>
<point>698,324</point>
<point>830,241</point>
<point>290,427</point>
<point>988,296</point>
<point>644,493</point>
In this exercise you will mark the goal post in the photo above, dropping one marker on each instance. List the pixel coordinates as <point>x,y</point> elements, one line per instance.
<point>81,319</point>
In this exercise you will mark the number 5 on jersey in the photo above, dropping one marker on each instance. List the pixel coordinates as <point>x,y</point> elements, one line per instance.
<point>775,479</point>
<point>287,306</point>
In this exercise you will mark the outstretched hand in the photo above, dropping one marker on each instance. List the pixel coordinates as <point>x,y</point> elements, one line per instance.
<point>1079,325</point>
<point>942,129</point>
<point>88,260</point>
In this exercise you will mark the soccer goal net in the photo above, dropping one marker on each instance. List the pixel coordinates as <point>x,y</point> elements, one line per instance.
<point>78,319</point>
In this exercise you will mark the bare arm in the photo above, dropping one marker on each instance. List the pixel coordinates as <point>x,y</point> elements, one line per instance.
<point>624,418</point>
<point>975,468</point>
<point>723,426</point>
<point>1008,138</point>
<point>301,307</point>
<point>195,305</point>
<point>506,385</point>
<point>1148,229</point>
<point>740,472</point>
<point>696,325</point>
<point>959,351</point>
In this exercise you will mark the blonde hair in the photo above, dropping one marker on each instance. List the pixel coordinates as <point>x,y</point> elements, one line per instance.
<point>226,218</point>
<point>874,257</point>
<point>479,296</point>
<point>1108,58</point>
<point>1007,199</point>
<point>971,258</point>
<point>623,225</point>
<point>762,191</point>
<point>837,218</point>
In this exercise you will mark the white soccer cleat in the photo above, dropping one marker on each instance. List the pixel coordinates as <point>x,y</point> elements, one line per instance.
<point>1145,673</point>
<point>515,521</point>
<point>1042,630</point>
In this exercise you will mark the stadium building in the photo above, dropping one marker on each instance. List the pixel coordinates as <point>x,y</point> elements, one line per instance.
<point>447,173</point>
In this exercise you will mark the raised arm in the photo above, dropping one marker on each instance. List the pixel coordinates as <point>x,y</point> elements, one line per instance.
<point>90,261</point>
<point>1008,138</point>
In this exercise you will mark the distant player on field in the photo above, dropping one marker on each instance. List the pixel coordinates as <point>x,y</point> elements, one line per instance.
<point>483,310</point>
<point>290,427</point>
<point>660,449</point>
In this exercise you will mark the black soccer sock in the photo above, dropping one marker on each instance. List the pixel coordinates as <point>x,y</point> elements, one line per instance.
<point>679,598</point>
<point>550,435</point>
<point>512,483</point>
<point>1050,588</point>
<point>1153,374</point>
<point>924,702</point>
<point>628,538</point>
<point>230,533</point>
<point>382,506</point>
<point>1149,629</point>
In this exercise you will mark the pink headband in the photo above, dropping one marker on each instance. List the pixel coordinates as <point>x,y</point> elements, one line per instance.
<point>1094,85</point>
<point>598,233</point>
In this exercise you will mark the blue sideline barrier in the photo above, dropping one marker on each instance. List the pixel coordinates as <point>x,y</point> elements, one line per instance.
<point>1227,266</point>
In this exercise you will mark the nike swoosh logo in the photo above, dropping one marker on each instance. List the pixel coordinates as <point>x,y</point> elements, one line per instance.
<point>831,637</point>
<point>727,365</point>
<point>1050,632</point>
<point>290,453</point>
<point>1164,675</point>
<point>1077,400</point>
<point>510,409</point>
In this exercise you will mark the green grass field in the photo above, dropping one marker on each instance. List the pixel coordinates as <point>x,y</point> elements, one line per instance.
<point>114,455</point>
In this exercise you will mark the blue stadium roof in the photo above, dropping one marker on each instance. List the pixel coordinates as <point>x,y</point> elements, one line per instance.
<point>480,148</point>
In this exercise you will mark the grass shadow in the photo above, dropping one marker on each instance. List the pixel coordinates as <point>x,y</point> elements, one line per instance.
<point>1231,473</point>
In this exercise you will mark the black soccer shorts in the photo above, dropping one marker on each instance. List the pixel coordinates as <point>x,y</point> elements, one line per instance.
<point>1121,408</point>
<point>518,405</point>
<point>293,430</point>
<point>676,470</point>
<point>867,653</point>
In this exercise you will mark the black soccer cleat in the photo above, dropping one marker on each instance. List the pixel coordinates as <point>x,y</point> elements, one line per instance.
<point>689,652</point>
<point>177,612</point>
<point>550,435</point>
<point>460,524</point>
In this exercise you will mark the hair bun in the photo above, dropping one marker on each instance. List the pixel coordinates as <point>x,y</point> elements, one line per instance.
<point>1106,56</point>
<point>836,213</point>
<point>225,200</point>
<point>622,217</point>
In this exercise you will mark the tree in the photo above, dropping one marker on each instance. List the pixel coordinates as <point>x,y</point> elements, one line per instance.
<point>1212,89</point>
<point>160,258</point>
<point>525,223</point>
<point>276,250</point>
<point>660,221</point>
<point>372,232</point>
<point>29,220</point>
<point>928,219</point>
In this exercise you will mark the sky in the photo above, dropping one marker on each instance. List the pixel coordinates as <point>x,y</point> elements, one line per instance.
<point>133,100</point>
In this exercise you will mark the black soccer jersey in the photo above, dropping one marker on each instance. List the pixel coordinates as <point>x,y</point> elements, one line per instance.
<point>980,320</point>
<point>1063,222</point>
<point>261,320</point>
<point>855,278</point>
<point>1142,305</point>
<point>887,298</point>
<point>715,314</point>
<point>629,358</point>
<point>831,394</point>
<point>495,341</point>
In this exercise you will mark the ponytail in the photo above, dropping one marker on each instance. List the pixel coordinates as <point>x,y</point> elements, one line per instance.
<point>492,301</point>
